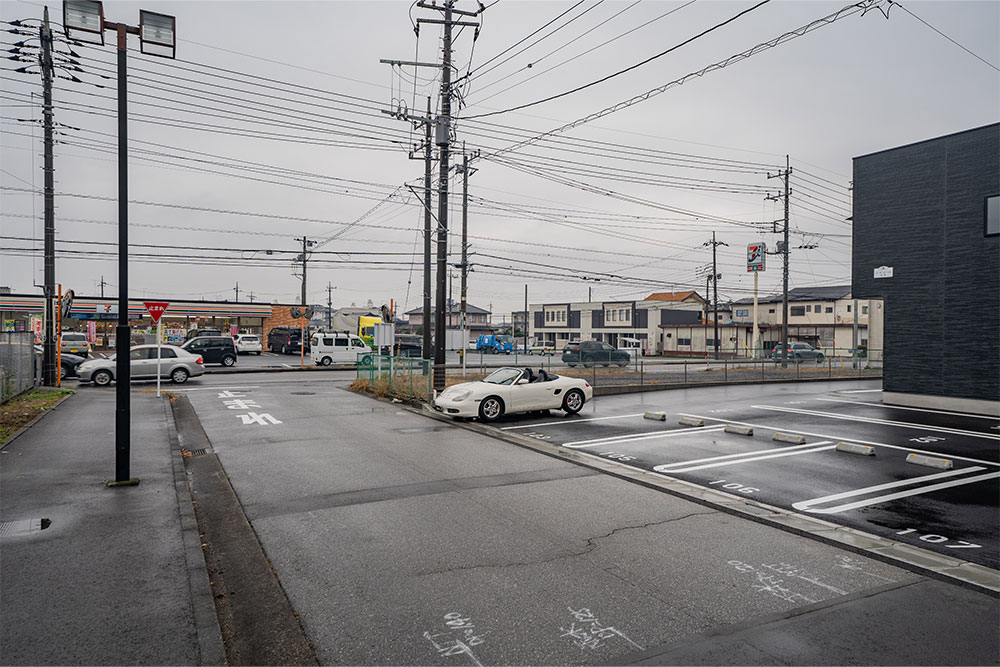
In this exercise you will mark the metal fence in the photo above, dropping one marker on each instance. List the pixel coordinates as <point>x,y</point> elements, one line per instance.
<point>396,376</point>
<point>19,365</point>
<point>614,368</point>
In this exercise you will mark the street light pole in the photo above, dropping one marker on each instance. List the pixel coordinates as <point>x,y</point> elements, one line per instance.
<point>84,19</point>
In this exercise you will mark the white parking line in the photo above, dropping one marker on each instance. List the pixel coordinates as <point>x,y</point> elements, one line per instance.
<point>903,407</point>
<point>837,437</point>
<point>621,439</point>
<point>569,421</point>
<point>806,506</point>
<point>885,422</point>
<point>735,459</point>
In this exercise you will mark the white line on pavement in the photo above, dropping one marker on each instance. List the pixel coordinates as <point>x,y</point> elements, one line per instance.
<point>621,439</point>
<point>219,387</point>
<point>806,506</point>
<point>903,407</point>
<point>668,468</point>
<point>859,391</point>
<point>569,421</point>
<point>837,437</point>
<point>885,422</point>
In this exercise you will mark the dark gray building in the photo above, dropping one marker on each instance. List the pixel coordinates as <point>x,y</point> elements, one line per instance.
<point>926,241</point>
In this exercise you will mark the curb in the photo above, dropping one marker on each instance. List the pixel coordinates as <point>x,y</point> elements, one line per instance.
<point>17,434</point>
<point>206,622</point>
<point>928,563</point>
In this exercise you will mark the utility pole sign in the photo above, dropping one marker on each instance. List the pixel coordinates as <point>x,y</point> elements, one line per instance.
<point>156,310</point>
<point>755,257</point>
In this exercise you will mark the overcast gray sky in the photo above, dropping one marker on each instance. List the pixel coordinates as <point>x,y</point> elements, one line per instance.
<point>268,127</point>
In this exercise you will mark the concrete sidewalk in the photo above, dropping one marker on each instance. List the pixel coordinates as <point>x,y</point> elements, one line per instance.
<point>116,576</point>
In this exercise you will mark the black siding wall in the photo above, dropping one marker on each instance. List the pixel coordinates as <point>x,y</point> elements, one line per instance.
<point>919,209</point>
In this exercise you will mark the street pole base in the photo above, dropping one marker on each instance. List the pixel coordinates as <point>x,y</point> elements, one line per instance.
<point>132,481</point>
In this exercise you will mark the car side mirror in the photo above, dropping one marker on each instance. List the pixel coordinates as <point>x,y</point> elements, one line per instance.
<point>522,381</point>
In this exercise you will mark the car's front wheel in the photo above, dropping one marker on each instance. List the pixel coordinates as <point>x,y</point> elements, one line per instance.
<point>63,372</point>
<point>228,360</point>
<point>588,362</point>
<point>491,409</point>
<point>179,376</point>
<point>819,358</point>
<point>102,378</point>
<point>573,401</point>
<point>622,363</point>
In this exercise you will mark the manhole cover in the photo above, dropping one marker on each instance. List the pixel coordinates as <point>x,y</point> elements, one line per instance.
<point>303,393</point>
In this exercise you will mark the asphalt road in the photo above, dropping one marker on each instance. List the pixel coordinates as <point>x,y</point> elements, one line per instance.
<point>953,512</point>
<point>403,540</point>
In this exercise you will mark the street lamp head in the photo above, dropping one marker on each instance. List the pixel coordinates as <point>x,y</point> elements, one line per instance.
<point>83,20</point>
<point>157,34</point>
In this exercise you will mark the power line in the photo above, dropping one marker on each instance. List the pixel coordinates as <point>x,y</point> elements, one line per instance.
<point>627,69</point>
<point>966,49</point>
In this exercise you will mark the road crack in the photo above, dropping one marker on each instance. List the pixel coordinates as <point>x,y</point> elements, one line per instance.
<point>590,545</point>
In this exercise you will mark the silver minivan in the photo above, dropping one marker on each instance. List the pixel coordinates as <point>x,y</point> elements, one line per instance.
<point>338,348</point>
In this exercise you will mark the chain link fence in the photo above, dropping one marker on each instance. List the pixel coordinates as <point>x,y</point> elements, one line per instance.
<point>19,365</point>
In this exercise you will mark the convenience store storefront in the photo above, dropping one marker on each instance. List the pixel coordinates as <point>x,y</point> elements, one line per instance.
<point>97,318</point>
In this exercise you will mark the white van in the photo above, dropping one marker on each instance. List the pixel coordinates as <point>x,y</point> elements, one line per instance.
<point>337,348</point>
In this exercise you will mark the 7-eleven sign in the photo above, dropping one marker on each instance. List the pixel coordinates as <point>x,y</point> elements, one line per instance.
<point>156,309</point>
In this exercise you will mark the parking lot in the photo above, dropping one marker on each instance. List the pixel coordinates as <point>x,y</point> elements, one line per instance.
<point>950,510</point>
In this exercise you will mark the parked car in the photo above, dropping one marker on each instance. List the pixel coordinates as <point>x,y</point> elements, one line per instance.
<point>74,342</point>
<point>798,352</point>
<point>542,347</point>
<point>509,390</point>
<point>592,352</point>
<point>176,365</point>
<point>68,363</point>
<point>286,340</point>
<point>194,333</point>
<point>248,343</point>
<point>339,348</point>
<point>213,349</point>
<point>411,350</point>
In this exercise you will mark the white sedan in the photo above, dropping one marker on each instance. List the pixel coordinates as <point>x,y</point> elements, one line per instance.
<point>509,390</point>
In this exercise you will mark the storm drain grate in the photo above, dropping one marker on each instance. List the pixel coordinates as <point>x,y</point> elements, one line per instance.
<point>199,452</point>
<point>187,453</point>
<point>23,527</point>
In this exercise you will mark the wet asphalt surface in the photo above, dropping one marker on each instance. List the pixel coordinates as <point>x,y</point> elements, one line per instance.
<point>953,512</point>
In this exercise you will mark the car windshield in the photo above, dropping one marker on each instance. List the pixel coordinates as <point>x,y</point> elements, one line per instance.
<point>503,376</point>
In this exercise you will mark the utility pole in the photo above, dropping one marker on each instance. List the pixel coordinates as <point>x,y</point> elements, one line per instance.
<point>251,297</point>
<point>526,318</point>
<point>428,159</point>
<point>465,254</point>
<point>49,362</point>
<point>784,252</point>
<point>715,285</point>
<point>329,307</point>
<point>102,286</point>
<point>237,288</point>
<point>305,258</point>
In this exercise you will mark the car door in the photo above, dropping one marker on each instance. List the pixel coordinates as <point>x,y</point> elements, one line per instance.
<point>341,351</point>
<point>140,366</point>
<point>527,395</point>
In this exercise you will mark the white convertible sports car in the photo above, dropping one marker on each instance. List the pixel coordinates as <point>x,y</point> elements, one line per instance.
<point>508,390</point>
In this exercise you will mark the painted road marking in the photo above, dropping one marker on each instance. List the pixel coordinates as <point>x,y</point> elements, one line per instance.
<point>219,387</point>
<point>806,505</point>
<point>885,422</point>
<point>903,407</point>
<point>620,439</point>
<point>569,421</point>
<point>858,391</point>
<point>733,459</point>
<point>863,442</point>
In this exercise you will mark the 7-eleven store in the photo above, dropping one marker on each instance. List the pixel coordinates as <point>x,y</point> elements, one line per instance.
<point>97,317</point>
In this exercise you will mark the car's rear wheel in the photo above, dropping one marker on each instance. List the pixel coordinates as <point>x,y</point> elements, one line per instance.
<point>491,409</point>
<point>179,376</point>
<point>229,360</point>
<point>258,353</point>
<point>326,361</point>
<point>366,360</point>
<point>102,378</point>
<point>571,365</point>
<point>284,349</point>
<point>573,401</point>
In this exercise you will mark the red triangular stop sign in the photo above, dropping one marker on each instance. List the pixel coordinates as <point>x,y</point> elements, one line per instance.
<point>156,309</point>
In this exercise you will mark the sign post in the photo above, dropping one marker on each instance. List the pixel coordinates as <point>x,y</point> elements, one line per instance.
<point>756,252</point>
<point>156,310</point>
